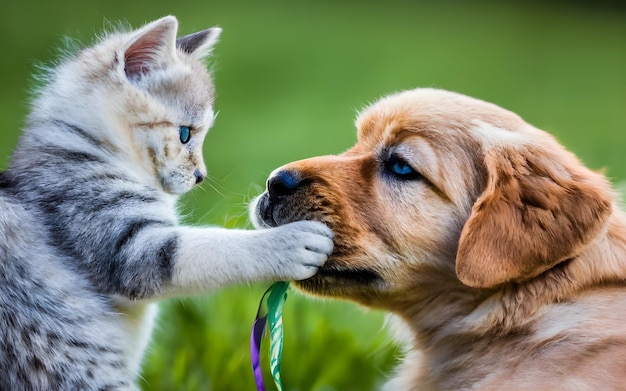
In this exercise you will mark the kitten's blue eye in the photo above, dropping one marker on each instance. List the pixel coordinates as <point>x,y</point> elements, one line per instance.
<point>185,134</point>
<point>399,168</point>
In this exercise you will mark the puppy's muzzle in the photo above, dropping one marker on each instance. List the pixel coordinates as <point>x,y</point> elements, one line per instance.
<point>280,187</point>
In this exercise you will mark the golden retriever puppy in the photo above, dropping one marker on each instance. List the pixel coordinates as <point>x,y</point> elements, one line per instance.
<point>501,252</point>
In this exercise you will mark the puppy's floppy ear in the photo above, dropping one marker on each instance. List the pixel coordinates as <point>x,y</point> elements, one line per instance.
<point>540,207</point>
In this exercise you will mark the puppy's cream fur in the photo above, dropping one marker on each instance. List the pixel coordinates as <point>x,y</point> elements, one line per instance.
<point>503,254</point>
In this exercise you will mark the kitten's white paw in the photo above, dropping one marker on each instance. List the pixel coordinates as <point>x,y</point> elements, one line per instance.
<point>299,249</point>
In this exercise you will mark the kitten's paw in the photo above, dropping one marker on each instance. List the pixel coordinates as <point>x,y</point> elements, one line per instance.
<point>300,249</point>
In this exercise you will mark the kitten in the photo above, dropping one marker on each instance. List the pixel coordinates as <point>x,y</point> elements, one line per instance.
<point>88,228</point>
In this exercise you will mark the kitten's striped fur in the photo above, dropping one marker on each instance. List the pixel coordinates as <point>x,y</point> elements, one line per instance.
<point>88,230</point>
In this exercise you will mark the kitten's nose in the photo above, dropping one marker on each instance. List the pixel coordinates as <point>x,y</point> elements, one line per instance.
<point>283,183</point>
<point>198,175</point>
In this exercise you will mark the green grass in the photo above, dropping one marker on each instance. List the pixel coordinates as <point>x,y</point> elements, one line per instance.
<point>202,344</point>
<point>290,78</point>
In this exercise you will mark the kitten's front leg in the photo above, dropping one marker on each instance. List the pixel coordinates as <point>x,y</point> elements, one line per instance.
<point>208,258</point>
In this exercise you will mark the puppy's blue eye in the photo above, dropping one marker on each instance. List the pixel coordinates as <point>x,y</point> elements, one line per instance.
<point>185,134</point>
<point>399,168</point>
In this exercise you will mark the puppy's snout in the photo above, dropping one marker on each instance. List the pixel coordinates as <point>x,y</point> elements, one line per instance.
<point>283,183</point>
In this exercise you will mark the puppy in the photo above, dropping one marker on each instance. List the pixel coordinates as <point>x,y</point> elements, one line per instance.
<point>503,255</point>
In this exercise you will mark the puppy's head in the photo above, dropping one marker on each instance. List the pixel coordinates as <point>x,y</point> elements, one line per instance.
<point>439,190</point>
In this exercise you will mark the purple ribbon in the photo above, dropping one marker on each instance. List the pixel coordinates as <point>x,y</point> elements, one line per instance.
<point>269,316</point>
<point>255,350</point>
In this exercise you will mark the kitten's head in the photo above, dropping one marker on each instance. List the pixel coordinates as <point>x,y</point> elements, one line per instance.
<point>146,96</point>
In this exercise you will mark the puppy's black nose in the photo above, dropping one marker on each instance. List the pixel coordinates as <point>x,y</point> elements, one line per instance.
<point>283,183</point>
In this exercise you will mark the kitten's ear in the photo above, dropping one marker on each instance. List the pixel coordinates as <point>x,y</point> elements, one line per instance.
<point>199,44</point>
<point>153,46</point>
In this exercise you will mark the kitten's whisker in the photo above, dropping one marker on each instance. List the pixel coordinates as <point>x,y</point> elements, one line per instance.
<point>208,183</point>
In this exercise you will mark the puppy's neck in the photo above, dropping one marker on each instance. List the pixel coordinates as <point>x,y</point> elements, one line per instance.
<point>436,308</point>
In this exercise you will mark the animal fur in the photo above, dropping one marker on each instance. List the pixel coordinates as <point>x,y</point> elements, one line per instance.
<point>89,236</point>
<point>503,255</point>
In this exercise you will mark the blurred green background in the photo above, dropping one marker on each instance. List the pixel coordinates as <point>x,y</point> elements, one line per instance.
<point>291,77</point>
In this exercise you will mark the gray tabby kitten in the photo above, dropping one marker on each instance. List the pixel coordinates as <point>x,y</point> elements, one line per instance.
<point>89,237</point>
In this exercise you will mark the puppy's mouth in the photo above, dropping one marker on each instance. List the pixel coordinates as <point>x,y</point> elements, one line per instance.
<point>264,215</point>
<point>357,275</point>
<point>273,214</point>
<point>337,281</point>
<point>334,274</point>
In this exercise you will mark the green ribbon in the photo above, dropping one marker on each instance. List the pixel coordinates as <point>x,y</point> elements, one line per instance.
<point>270,313</point>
